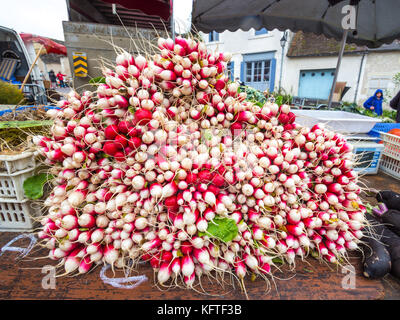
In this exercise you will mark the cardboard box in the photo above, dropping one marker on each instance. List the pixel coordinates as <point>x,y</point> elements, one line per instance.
<point>336,97</point>
<point>47,84</point>
<point>339,87</point>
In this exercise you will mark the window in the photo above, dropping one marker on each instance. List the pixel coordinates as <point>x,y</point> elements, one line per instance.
<point>230,70</point>
<point>377,83</point>
<point>260,32</point>
<point>213,36</point>
<point>258,71</point>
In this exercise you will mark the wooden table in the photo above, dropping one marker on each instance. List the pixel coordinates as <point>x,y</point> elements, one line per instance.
<point>22,279</point>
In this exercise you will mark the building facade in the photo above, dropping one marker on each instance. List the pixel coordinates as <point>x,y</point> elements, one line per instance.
<point>256,55</point>
<point>309,64</point>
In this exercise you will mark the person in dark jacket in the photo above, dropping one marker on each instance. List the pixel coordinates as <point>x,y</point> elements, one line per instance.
<point>53,79</point>
<point>395,104</point>
<point>374,103</point>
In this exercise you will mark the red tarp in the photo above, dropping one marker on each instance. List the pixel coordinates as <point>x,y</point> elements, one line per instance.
<point>50,45</point>
<point>150,7</point>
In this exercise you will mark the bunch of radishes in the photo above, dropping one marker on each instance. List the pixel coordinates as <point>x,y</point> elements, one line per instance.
<point>166,148</point>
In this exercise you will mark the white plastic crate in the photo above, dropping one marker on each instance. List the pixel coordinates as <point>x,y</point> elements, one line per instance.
<point>392,145</point>
<point>390,166</point>
<point>14,163</point>
<point>11,185</point>
<point>18,216</point>
<point>390,162</point>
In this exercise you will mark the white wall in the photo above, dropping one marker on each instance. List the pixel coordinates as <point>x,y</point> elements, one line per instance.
<point>65,68</point>
<point>348,72</point>
<point>381,65</point>
<point>243,42</point>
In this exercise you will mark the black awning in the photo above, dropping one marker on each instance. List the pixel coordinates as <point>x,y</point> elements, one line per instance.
<point>377,22</point>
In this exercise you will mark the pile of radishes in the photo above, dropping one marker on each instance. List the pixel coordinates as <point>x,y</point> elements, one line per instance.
<point>167,147</point>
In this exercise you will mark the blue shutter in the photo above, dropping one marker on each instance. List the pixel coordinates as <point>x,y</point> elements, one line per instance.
<point>242,71</point>
<point>232,69</point>
<point>216,36</point>
<point>272,75</point>
<point>210,36</point>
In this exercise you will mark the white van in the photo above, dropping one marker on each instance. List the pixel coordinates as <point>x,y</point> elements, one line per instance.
<point>15,61</point>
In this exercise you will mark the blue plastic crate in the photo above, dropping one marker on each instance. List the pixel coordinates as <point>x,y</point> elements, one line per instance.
<point>383,127</point>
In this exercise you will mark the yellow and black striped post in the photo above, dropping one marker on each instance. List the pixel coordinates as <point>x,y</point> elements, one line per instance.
<point>80,64</point>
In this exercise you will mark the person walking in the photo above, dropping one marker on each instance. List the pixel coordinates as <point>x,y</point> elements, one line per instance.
<point>60,77</point>
<point>53,79</point>
<point>395,104</point>
<point>241,83</point>
<point>374,103</point>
